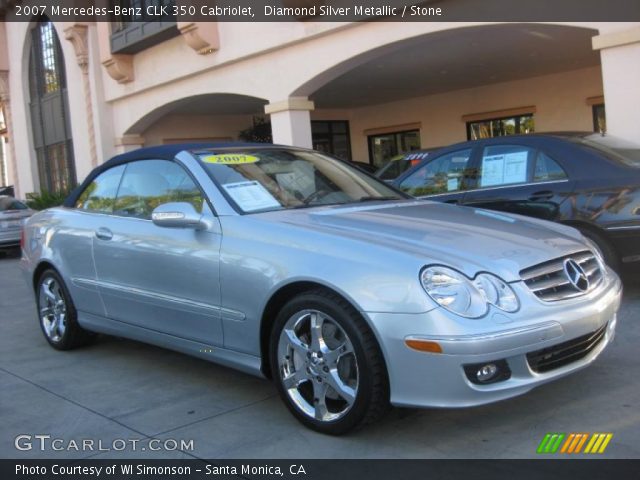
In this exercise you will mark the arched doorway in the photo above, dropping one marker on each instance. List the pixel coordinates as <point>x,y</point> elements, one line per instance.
<point>50,109</point>
<point>212,117</point>
<point>443,87</point>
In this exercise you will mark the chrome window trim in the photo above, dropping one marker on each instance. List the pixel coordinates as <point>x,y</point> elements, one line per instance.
<point>625,227</point>
<point>484,189</point>
<point>527,184</point>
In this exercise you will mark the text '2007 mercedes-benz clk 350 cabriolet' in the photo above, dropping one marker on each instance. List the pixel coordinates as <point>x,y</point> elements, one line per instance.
<point>287,263</point>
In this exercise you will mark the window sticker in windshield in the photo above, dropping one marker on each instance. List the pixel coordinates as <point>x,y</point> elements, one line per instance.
<point>229,159</point>
<point>251,196</point>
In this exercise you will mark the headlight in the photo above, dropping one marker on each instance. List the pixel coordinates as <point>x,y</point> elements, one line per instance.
<point>497,292</point>
<point>453,291</point>
<point>458,294</point>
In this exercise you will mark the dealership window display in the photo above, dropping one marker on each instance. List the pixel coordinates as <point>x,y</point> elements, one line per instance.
<point>499,127</point>
<point>599,118</point>
<point>332,136</point>
<point>383,147</point>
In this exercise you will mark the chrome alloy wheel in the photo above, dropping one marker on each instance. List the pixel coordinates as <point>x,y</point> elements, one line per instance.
<point>317,365</point>
<point>53,309</point>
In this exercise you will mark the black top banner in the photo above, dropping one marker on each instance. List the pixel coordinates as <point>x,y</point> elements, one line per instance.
<point>322,10</point>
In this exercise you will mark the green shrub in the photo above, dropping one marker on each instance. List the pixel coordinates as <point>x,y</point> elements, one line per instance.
<point>260,132</point>
<point>46,199</point>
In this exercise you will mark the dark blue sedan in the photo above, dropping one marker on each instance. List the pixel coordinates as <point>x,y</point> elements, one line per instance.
<point>586,180</point>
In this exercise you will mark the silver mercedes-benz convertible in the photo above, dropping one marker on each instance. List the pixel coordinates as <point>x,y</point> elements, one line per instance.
<point>286,263</point>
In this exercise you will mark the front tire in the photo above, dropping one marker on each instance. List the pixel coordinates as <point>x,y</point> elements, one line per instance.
<point>327,365</point>
<point>57,314</point>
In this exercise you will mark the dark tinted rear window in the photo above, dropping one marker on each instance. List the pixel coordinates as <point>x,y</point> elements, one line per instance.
<point>614,149</point>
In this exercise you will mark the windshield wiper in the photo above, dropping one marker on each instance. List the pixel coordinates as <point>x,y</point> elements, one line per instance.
<point>314,205</point>
<point>377,199</point>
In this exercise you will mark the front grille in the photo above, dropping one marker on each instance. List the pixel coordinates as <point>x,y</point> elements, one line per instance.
<point>564,353</point>
<point>549,281</point>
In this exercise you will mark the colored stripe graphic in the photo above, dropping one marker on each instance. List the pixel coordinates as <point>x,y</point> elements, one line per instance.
<point>584,439</point>
<point>543,443</point>
<point>573,443</point>
<point>550,443</point>
<point>570,439</point>
<point>598,442</point>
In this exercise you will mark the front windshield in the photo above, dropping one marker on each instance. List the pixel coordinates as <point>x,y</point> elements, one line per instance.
<point>276,179</point>
<point>393,168</point>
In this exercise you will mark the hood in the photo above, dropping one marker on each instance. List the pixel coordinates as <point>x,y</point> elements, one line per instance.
<point>468,239</point>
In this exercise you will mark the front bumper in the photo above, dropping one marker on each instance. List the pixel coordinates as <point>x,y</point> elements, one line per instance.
<point>419,379</point>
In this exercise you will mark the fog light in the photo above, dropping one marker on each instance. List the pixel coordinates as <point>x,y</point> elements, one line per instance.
<point>486,372</point>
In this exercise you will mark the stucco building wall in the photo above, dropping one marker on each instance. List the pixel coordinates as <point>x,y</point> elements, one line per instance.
<point>282,65</point>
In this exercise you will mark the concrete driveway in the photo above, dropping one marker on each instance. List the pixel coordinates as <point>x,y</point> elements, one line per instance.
<point>118,392</point>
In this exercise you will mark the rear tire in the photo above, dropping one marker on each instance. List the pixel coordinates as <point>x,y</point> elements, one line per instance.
<point>327,365</point>
<point>57,314</point>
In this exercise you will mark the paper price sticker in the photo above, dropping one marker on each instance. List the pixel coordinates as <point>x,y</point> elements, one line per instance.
<point>230,159</point>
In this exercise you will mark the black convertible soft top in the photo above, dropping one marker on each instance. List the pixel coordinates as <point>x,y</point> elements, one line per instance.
<point>161,152</point>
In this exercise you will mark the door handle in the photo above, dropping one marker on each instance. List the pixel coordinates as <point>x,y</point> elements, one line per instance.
<point>542,195</point>
<point>104,233</point>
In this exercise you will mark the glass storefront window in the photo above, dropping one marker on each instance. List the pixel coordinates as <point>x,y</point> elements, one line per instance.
<point>50,109</point>
<point>332,136</point>
<point>499,127</point>
<point>3,164</point>
<point>386,146</point>
<point>599,118</point>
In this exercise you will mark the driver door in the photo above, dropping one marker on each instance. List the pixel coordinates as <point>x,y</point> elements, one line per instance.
<point>158,278</point>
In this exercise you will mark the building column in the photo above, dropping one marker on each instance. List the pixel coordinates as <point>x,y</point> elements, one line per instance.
<point>128,143</point>
<point>291,121</point>
<point>620,59</point>
<point>77,35</point>
<point>5,103</point>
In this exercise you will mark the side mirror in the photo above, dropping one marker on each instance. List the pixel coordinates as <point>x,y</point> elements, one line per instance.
<point>178,215</point>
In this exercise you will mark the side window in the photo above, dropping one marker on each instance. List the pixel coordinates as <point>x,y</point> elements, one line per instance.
<point>147,184</point>
<point>505,165</point>
<point>100,195</point>
<point>547,169</point>
<point>441,175</point>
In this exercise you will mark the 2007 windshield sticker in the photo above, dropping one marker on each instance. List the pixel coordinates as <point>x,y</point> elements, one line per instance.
<point>230,159</point>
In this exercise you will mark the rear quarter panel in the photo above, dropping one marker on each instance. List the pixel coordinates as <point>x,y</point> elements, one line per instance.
<point>63,238</point>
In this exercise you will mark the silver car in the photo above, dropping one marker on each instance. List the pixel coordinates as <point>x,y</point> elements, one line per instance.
<point>285,263</point>
<point>13,214</point>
